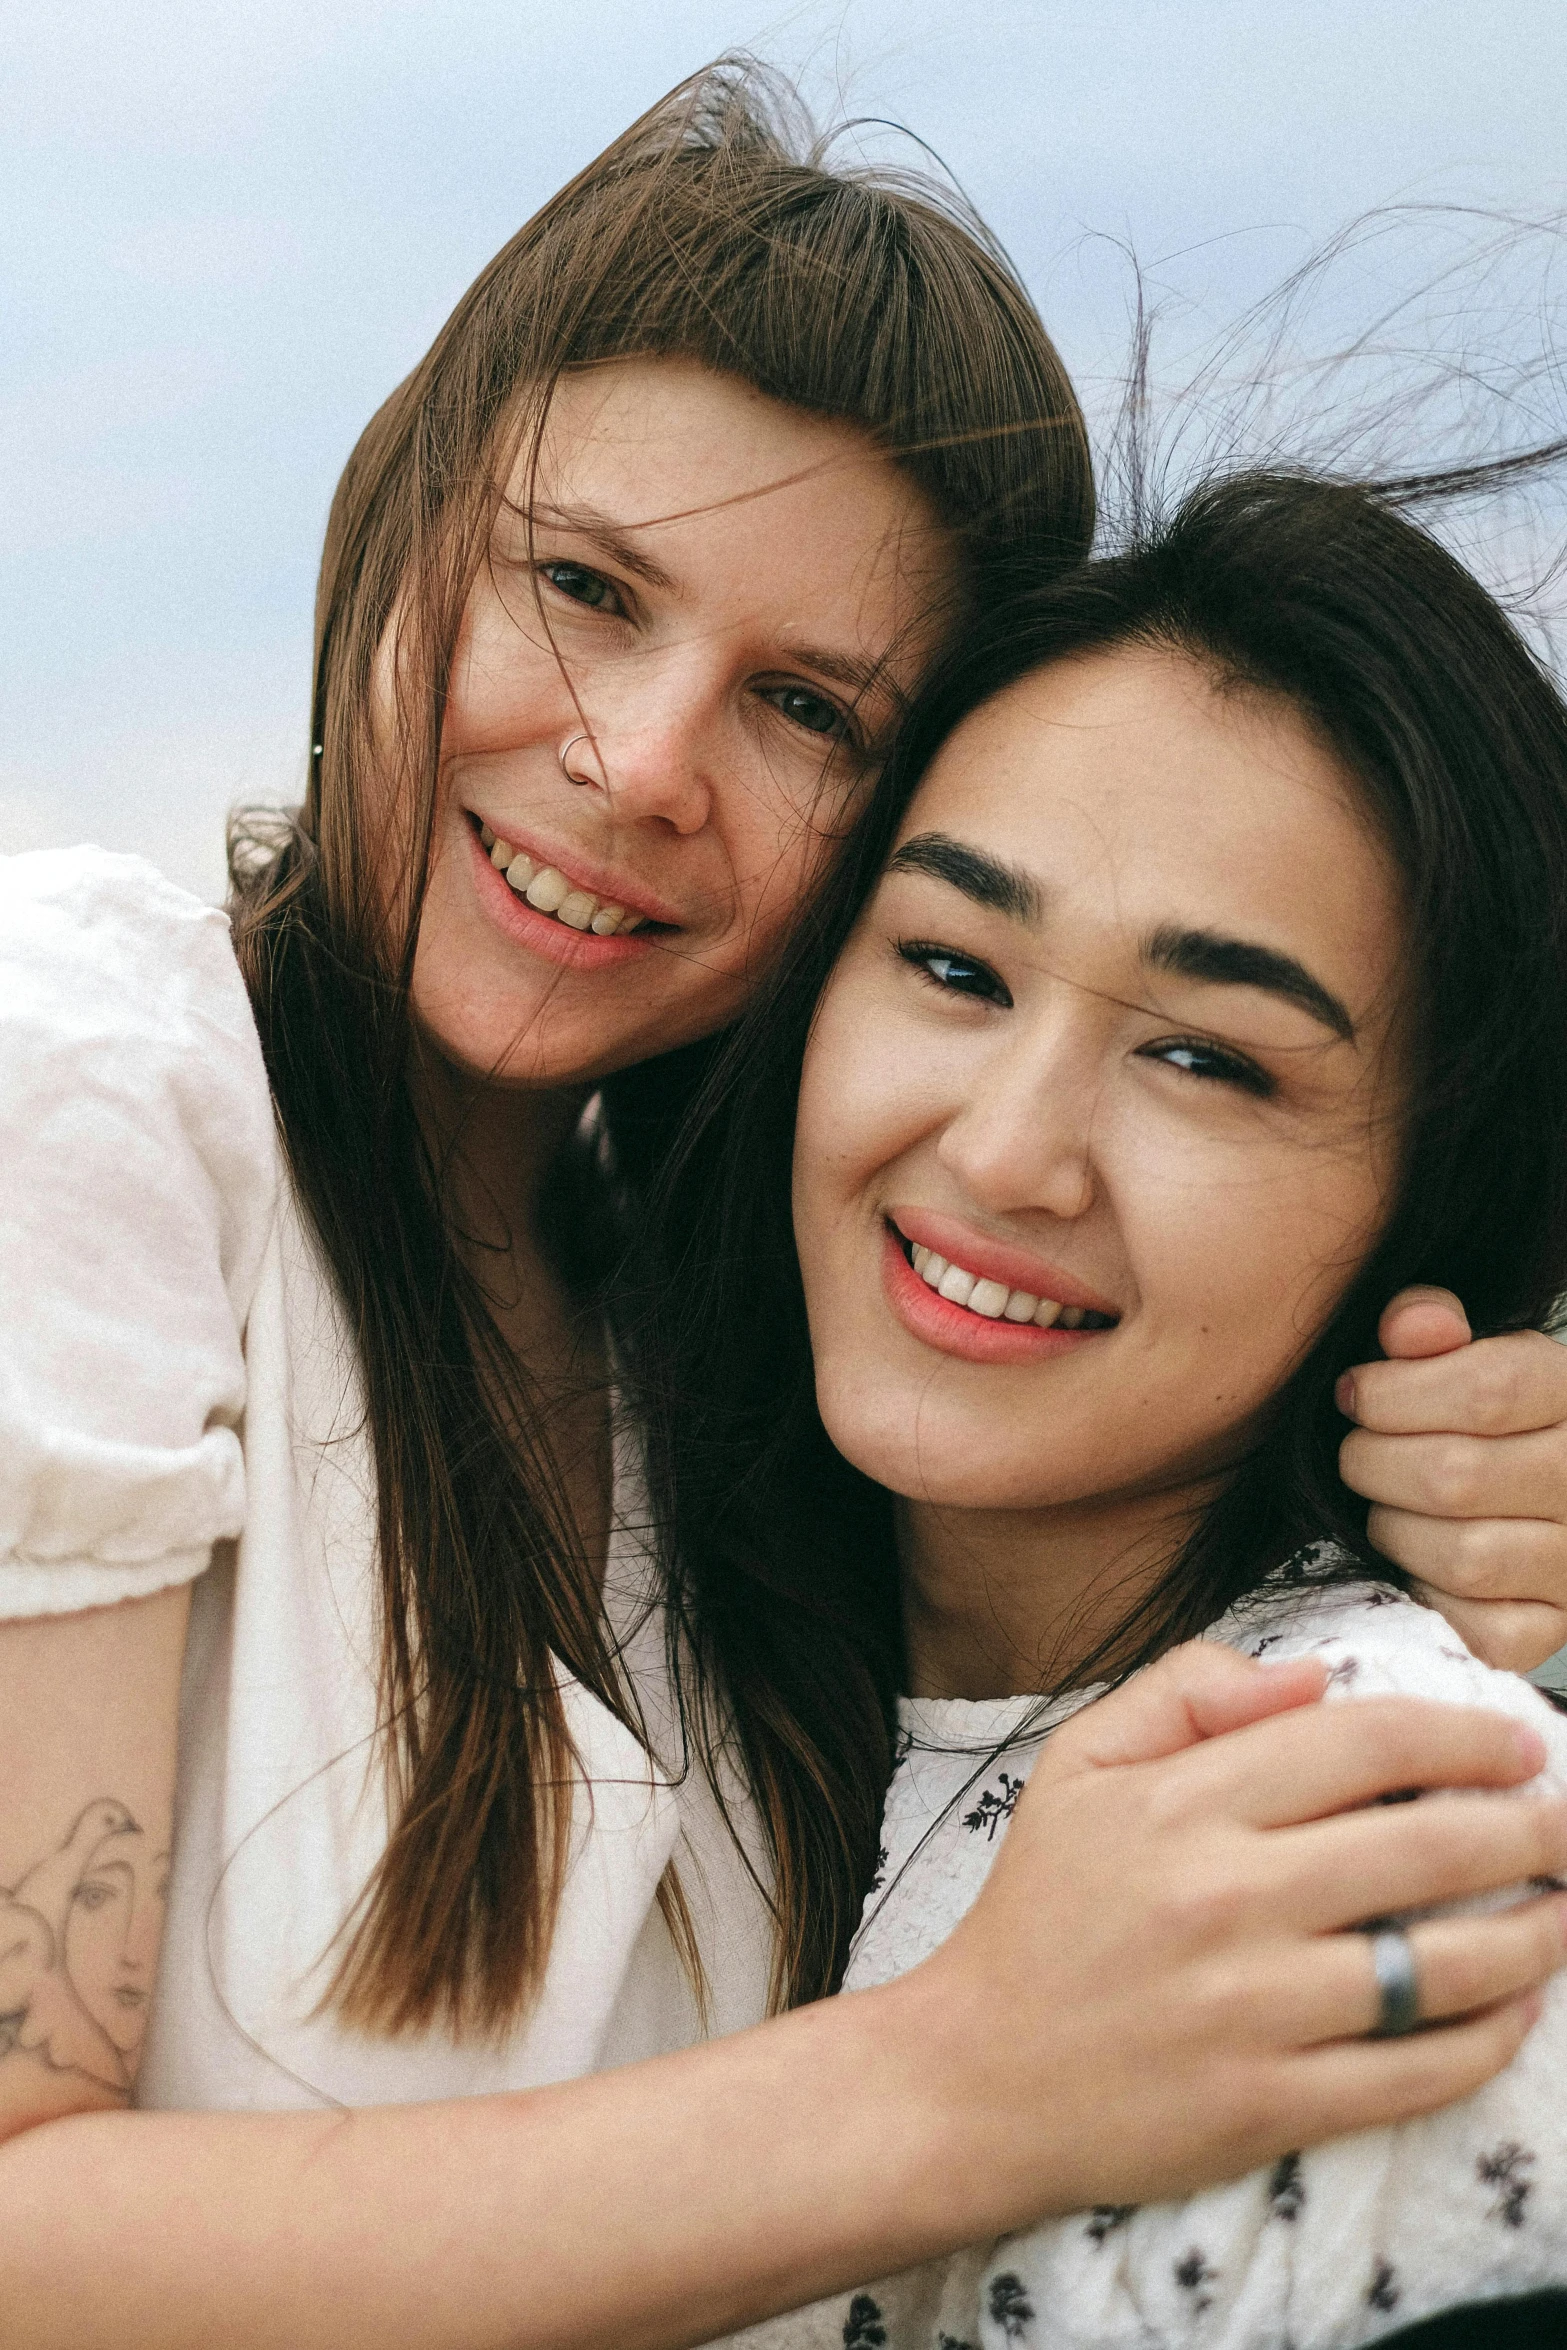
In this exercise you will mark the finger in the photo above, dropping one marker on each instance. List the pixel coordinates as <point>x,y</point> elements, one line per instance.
<point>1447,1476</point>
<point>1476,1558</point>
<point>1336,1873</point>
<point>1496,1387</point>
<point>1315,1761</point>
<point>1327,1989</point>
<point>1423,1321</point>
<point>1361,2084</point>
<point>1516,1636</point>
<point>1200,1690</point>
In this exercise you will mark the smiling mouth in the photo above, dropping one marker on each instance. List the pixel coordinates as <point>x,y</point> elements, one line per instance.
<point>992,1301</point>
<point>551,893</point>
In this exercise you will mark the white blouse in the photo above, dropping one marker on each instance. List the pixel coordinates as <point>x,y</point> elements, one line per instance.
<point>180,1402</point>
<point>1325,2250</point>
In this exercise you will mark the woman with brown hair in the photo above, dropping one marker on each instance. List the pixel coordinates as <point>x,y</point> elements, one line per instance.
<point>308,1446</point>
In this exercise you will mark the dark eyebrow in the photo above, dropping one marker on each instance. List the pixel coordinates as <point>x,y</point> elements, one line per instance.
<point>588,523</point>
<point>1236,962</point>
<point>1006,889</point>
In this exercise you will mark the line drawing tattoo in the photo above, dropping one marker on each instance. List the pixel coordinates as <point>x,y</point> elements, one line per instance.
<point>79,1936</point>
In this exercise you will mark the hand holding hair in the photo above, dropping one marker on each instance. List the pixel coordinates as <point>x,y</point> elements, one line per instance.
<point>1460,1445</point>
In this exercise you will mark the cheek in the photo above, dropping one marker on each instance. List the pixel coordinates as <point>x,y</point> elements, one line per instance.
<point>1240,1262</point>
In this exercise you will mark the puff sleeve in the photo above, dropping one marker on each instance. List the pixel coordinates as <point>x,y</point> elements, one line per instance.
<point>138,1184</point>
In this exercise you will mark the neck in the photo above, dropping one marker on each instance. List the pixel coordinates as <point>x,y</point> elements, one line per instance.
<point>998,1603</point>
<point>496,1148</point>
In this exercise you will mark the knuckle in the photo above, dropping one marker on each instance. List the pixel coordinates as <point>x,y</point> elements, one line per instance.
<point>1449,1475</point>
<point>1469,1554</point>
<point>1492,1377</point>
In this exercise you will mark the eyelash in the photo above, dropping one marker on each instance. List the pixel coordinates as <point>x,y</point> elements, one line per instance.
<point>840,728</point>
<point>922,955</point>
<point>1217,1065</point>
<point>1224,1068</point>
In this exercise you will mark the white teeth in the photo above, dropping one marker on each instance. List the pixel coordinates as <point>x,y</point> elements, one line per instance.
<point>992,1299</point>
<point>576,911</point>
<point>548,890</point>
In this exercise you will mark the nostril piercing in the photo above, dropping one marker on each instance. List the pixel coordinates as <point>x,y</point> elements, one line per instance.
<point>565,755</point>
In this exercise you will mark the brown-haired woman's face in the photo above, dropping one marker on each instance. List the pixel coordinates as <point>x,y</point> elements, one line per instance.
<point>723,600</point>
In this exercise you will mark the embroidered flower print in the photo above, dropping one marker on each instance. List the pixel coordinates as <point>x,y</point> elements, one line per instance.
<point>1504,2170</point>
<point>1010,2307</point>
<point>1105,2218</point>
<point>1382,2292</point>
<point>1286,2188</point>
<point>864,2329</point>
<point>1191,2274</point>
<point>993,1807</point>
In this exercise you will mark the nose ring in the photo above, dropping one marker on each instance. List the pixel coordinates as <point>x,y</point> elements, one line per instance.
<point>565,754</point>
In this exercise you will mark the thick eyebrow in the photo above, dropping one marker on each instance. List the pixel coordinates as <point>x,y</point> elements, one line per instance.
<point>608,537</point>
<point>1237,962</point>
<point>1006,889</point>
<point>1195,954</point>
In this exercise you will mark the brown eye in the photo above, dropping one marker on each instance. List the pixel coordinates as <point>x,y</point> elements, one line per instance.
<point>955,973</point>
<point>812,711</point>
<point>1195,1058</point>
<point>583,586</point>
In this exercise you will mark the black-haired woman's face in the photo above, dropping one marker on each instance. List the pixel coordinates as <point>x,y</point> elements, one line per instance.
<point>1101,1110</point>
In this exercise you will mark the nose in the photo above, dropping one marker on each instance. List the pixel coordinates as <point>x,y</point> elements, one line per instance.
<point>649,744</point>
<point>1023,1137</point>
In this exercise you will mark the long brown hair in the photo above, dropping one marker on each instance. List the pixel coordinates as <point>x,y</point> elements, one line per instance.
<point>713,230</point>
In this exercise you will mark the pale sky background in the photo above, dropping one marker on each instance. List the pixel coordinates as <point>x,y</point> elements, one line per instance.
<point>226,231</point>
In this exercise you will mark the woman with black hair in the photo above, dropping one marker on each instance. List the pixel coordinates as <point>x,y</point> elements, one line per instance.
<point>1201,973</point>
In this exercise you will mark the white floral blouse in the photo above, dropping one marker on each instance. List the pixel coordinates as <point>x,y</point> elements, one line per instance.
<point>1323,2251</point>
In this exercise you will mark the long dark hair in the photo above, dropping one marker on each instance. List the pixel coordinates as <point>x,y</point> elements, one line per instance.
<point>714,229</point>
<point>1329,596</point>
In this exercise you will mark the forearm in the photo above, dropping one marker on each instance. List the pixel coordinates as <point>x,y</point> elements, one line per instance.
<point>87,1735</point>
<point>651,2208</point>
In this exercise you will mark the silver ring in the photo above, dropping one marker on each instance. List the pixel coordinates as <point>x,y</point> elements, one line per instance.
<point>1398,1989</point>
<point>566,754</point>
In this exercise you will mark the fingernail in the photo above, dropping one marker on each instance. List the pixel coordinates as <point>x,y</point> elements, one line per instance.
<point>1534,2002</point>
<point>1530,1747</point>
<point>1344,1394</point>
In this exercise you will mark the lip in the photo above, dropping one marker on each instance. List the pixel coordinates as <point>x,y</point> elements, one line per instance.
<point>600,881</point>
<point>575,950</point>
<point>993,1260</point>
<point>952,1330</point>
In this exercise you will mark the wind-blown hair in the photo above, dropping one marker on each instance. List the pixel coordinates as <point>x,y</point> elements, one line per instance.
<point>1454,738</point>
<point>716,229</point>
